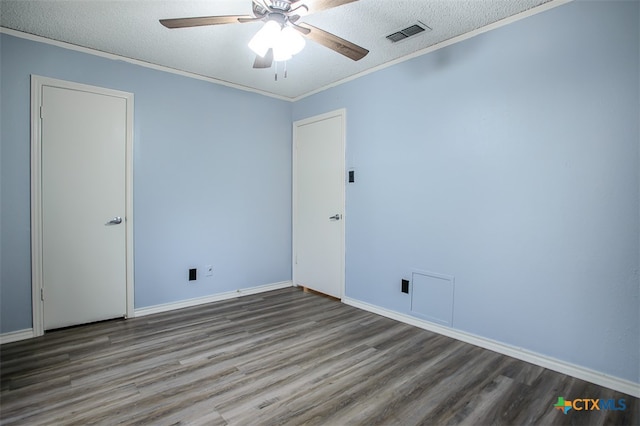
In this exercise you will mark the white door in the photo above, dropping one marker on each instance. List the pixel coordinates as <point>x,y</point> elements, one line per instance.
<point>83,154</point>
<point>318,203</point>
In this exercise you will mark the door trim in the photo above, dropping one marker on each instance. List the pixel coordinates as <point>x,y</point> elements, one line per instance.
<point>37,82</point>
<point>337,113</point>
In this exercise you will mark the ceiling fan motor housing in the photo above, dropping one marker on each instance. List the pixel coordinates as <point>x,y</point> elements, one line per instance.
<point>283,5</point>
<point>278,17</point>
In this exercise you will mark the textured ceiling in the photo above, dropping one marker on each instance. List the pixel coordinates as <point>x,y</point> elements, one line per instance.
<point>131,29</point>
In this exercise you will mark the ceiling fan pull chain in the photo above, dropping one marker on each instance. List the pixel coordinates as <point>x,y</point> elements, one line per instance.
<point>276,70</point>
<point>285,69</point>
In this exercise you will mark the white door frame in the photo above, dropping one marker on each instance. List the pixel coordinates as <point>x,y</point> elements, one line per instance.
<point>337,113</point>
<point>37,82</point>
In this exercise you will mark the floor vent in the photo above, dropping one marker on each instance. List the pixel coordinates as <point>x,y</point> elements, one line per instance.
<point>407,32</point>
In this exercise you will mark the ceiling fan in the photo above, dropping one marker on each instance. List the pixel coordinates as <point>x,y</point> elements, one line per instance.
<point>281,36</point>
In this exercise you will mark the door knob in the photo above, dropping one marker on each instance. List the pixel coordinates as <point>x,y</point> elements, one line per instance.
<point>335,217</point>
<point>115,221</point>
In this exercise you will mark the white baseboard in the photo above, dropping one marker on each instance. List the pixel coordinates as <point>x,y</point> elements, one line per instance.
<point>212,298</point>
<point>15,336</point>
<point>554,364</point>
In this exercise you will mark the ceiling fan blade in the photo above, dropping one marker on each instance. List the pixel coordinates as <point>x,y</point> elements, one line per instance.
<point>203,20</point>
<point>304,31</point>
<point>245,20</point>
<point>314,6</point>
<point>264,61</point>
<point>333,42</point>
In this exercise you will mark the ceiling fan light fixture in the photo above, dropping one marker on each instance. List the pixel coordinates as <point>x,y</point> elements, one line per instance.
<point>288,43</point>
<point>281,54</point>
<point>292,39</point>
<point>265,38</point>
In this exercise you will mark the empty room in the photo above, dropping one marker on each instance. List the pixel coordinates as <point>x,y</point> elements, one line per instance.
<point>327,212</point>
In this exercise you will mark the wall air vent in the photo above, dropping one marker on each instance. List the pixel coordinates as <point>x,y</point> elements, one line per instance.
<point>408,32</point>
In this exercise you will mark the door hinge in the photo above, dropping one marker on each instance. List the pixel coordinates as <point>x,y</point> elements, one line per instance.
<point>41,112</point>
<point>42,294</point>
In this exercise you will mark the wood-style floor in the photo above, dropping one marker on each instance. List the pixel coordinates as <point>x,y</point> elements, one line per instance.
<point>284,357</point>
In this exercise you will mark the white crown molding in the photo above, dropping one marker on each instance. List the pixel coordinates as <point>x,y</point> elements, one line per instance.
<point>144,64</point>
<point>542,8</point>
<point>501,23</point>
<point>616,383</point>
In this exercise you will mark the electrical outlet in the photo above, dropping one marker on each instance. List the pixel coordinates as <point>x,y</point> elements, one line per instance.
<point>208,270</point>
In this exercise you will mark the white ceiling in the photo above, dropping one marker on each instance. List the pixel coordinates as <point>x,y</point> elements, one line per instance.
<point>131,29</point>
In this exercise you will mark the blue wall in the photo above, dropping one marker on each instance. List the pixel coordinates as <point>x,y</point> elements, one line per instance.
<point>509,161</point>
<point>212,183</point>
